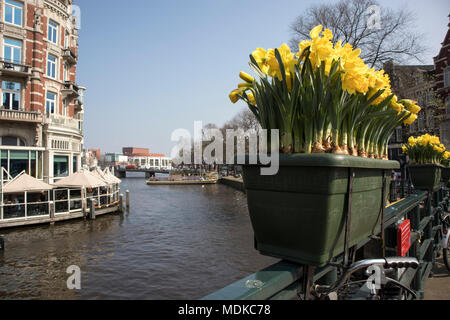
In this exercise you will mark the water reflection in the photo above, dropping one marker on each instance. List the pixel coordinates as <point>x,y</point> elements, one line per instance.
<point>177,242</point>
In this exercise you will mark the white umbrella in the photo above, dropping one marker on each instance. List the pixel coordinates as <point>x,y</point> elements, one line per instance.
<point>112,178</point>
<point>25,183</point>
<point>81,179</point>
<point>99,174</point>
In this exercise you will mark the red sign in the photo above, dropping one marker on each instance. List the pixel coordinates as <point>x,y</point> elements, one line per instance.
<point>404,238</point>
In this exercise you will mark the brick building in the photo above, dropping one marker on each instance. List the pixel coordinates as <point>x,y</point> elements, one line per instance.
<point>41,112</point>
<point>414,82</point>
<point>442,74</point>
<point>97,153</point>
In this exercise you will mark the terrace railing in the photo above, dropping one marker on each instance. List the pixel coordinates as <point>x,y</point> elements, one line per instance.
<point>16,115</point>
<point>63,121</point>
<point>19,68</point>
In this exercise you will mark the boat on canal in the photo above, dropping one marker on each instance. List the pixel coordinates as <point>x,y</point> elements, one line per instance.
<point>183,180</point>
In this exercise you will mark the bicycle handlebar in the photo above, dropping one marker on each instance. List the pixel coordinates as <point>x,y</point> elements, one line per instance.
<point>392,262</point>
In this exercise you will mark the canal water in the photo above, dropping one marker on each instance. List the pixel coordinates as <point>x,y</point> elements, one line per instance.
<point>177,242</point>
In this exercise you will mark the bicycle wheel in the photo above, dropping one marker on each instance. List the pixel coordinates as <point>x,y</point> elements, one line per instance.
<point>447,254</point>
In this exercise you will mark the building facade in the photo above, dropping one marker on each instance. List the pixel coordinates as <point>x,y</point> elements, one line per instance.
<point>442,74</point>
<point>142,158</point>
<point>115,159</point>
<point>414,82</point>
<point>41,114</point>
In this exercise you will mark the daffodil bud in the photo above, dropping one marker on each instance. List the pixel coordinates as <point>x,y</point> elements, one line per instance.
<point>245,85</point>
<point>246,77</point>
<point>234,95</point>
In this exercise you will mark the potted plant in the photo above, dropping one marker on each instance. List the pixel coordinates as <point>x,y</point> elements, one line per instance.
<point>446,168</point>
<point>425,154</point>
<point>335,116</point>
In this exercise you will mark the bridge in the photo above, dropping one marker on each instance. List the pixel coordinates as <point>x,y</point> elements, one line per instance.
<point>122,173</point>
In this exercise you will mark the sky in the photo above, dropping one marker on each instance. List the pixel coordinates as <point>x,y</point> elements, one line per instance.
<point>151,67</point>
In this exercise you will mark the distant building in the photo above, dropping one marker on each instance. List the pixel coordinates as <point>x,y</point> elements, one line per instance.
<point>115,159</point>
<point>414,82</point>
<point>89,159</point>
<point>142,157</point>
<point>442,74</point>
<point>96,152</point>
<point>131,151</point>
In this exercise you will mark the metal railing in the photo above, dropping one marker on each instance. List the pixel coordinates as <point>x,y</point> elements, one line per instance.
<point>284,280</point>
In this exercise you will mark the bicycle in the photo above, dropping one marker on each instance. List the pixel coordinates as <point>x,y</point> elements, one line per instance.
<point>445,219</point>
<point>369,286</point>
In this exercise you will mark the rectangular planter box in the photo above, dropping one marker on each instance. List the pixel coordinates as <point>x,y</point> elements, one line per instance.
<point>425,176</point>
<point>299,214</point>
<point>446,174</point>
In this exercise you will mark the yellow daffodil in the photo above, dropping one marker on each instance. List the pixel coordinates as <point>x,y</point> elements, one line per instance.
<point>251,97</point>
<point>246,77</point>
<point>234,95</point>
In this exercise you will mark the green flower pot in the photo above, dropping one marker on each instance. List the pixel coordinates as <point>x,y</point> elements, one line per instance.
<point>446,174</point>
<point>425,176</point>
<point>299,214</point>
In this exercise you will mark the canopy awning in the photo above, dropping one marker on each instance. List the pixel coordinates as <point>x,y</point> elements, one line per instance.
<point>81,179</point>
<point>112,178</point>
<point>99,174</point>
<point>25,183</point>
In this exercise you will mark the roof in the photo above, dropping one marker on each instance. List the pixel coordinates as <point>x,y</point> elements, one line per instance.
<point>81,179</point>
<point>25,183</point>
<point>112,178</point>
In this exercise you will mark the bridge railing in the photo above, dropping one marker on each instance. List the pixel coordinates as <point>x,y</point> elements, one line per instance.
<point>284,280</point>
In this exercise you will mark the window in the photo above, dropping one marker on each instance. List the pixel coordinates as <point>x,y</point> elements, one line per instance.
<point>51,66</point>
<point>18,162</point>
<point>13,12</point>
<point>12,141</point>
<point>12,50</point>
<point>75,164</point>
<point>65,106</point>
<point>11,95</point>
<point>447,106</point>
<point>66,40</point>
<point>52,32</point>
<point>4,162</point>
<point>447,77</point>
<point>50,103</point>
<point>66,72</point>
<point>60,166</point>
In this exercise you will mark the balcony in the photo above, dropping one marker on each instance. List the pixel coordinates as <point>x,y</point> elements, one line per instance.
<point>64,122</point>
<point>70,56</point>
<point>70,90</point>
<point>13,69</point>
<point>78,105</point>
<point>24,116</point>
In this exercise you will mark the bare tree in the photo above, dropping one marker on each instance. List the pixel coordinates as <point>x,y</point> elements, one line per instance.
<point>352,22</point>
<point>245,120</point>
